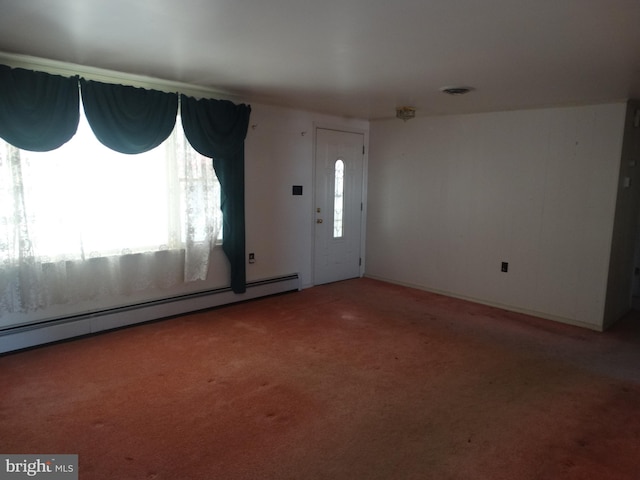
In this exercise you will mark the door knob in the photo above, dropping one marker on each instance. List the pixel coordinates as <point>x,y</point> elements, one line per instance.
<point>319,220</point>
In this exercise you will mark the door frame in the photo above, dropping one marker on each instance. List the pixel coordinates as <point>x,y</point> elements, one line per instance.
<point>365,169</point>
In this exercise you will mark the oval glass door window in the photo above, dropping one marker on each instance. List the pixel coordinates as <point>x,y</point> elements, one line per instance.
<point>338,200</point>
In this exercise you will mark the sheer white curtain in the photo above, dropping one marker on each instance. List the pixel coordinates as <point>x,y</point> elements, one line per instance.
<point>83,221</point>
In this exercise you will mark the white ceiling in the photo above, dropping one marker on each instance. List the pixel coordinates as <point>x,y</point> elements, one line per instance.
<point>357,58</point>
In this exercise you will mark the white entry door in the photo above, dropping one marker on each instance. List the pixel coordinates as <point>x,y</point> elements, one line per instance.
<point>338,205</point>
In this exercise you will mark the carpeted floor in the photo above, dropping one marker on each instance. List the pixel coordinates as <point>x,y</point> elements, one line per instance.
<point>354,380</point>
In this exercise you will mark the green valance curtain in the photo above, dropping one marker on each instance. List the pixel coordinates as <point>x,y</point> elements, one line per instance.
<point>217,129</point>
<point>128,119</point>
<point>38,111</point>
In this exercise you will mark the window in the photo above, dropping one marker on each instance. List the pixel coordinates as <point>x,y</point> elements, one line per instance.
<point>338,200</point>
<point>84,213</point>
<point>84,200</point>
<point>83,223</point>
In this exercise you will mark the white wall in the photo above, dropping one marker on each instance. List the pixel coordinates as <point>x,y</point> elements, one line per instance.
<point>451,197</point>
<point>279,154</point>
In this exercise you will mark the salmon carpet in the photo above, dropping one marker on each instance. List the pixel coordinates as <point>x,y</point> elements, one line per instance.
<point>354,380</point>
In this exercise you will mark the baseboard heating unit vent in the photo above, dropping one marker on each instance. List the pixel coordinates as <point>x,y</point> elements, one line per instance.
<point>25,336</point>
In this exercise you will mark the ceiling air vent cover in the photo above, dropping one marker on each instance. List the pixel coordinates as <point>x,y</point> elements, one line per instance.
<point>456,90</point>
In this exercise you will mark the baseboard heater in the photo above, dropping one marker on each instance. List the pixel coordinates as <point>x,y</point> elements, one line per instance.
<point>33,334</point>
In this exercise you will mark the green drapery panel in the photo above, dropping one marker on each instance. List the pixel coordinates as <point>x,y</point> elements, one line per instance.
<point>128,119</point>
<point>217,129</point>
<point>38,111</point>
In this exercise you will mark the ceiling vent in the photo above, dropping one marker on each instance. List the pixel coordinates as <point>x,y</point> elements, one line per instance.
<point>405,113</point>
<point>456,90</point>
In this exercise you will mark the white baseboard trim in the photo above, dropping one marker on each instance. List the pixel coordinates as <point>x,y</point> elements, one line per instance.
<point>511,308</point>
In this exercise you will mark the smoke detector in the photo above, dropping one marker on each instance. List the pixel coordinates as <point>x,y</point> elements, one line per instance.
<point>405,113</point>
